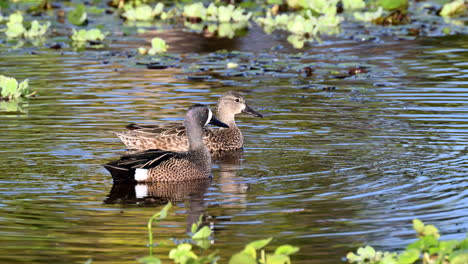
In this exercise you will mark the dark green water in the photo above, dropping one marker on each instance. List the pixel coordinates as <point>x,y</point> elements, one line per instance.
<point>326,169</point>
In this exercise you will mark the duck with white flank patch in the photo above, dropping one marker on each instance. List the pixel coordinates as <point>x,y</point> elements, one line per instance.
<point>173,136</point>
<point>164,166</point>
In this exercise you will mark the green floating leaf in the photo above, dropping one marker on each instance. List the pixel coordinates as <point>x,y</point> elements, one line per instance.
<point>9,88</point>
<point>393,4</point>
<point>158,45</point>
<point>84,35</point>
<point>353,4</point>
<point>78,15</point>
<point>259,244</point>
<point>409,256</point>
<point>286,250</point>
<point>453,8</point>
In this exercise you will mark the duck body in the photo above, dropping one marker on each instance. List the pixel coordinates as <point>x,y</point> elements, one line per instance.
<point>157,165</point>
<point>173,136</point>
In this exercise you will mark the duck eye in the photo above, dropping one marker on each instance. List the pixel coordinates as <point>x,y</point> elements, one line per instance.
<point>237,100</point>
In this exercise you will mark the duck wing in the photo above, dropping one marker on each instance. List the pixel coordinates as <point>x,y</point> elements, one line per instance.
<point>123,169</point>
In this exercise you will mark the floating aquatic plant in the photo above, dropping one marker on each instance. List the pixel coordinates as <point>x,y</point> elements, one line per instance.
<point>427,249</point>
<point>16,29</point>
<point>453,8</point>
<point>200,236</point>
<point>78,16</point>
<point>158,45</point>
<point>142,12</point>
<point>222,14</point>
<point>84,35</point>
<point>368,16</point>
<point>11,89</point>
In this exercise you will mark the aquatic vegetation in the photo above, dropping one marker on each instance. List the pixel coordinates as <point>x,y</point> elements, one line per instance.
<point>77,16</point>
<point>368,16</point>
<point>200,236</point>
<point>391,5</point>
<point>453,8</point>
<point>427,249</point>
<point>16,28</point>
<point>84,35</point>
<point>158,45</point>
<point>11,89</point>
<point>142,12</point>
<point>198,12</point>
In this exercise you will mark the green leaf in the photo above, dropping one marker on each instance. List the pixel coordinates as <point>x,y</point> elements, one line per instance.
<point>453,8</point>
<point>78,15</point>
<point>367,252</point>
<point>409,256</point>
<point>393,4</point>
<point>242,258</point>
<point>459,258</point>
<point>8,86</point>
<point>448,246</point>
<point>353,4</point>
<point>430,230</point>
<point>182,254</point>
<point>424,243</point>
<point>158,45</point>
<point>418,226</point>
<point>150,260</point>
<point>278,259</point>
<point>286,250</point>
<point>248,250</point>
<point>37,30</point>
<point>464,244</point>
<point>259,244</point>
<point>205,232</point>
<point>388,259</point>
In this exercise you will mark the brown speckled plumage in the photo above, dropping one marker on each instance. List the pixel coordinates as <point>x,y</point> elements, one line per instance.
<point>167,166</point>
<point>173,136</point>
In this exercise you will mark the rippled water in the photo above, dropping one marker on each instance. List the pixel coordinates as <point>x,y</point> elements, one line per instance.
<point>326,169</point>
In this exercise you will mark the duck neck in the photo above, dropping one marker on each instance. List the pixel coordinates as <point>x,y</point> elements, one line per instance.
<point>195,138</point>
<point>228,119</point>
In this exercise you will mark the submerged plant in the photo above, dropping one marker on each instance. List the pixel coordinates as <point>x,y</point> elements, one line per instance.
<point>427,249</point>
<point>16,28</point>
<point>11,89</point>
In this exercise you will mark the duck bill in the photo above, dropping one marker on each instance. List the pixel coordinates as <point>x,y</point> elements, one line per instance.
<point>249,110</point>
<point>214,121</point>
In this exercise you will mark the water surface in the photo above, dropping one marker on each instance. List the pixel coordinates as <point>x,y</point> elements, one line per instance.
<point>334,164</point>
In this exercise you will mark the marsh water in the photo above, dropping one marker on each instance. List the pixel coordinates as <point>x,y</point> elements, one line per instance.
<point>336,163</point>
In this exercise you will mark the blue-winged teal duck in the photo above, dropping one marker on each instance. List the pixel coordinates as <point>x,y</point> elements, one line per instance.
<point>164,166</point>
<point>172,136</point>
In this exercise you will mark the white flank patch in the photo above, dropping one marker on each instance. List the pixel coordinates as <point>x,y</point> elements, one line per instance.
<point>141,190</point>
<point>141,175</point>
<point>210,115</point>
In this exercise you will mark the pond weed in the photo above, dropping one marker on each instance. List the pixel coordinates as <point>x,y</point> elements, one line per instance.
<point>200,235</point>
<point>427,249</point>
